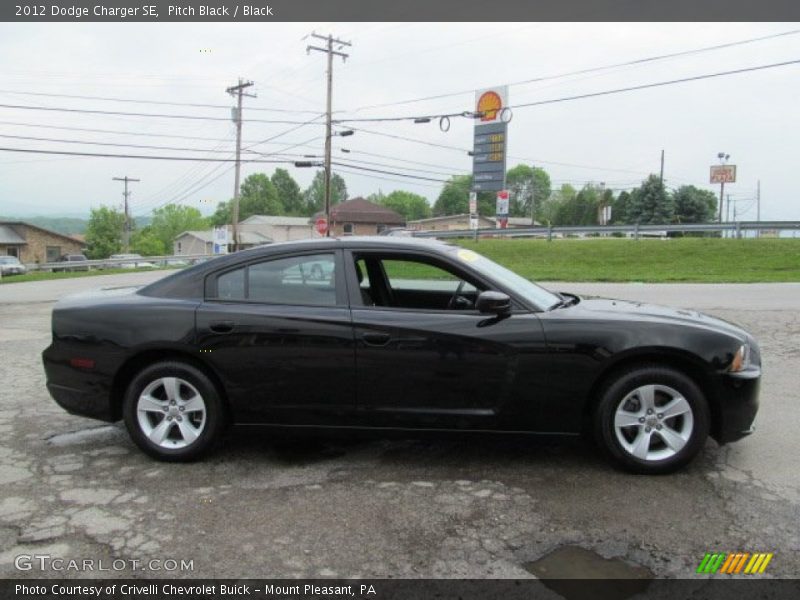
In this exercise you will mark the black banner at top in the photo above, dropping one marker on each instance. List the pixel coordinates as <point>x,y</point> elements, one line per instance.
<point>398,10</point>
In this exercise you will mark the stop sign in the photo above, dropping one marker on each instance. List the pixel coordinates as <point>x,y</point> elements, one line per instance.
<point>321,225</point>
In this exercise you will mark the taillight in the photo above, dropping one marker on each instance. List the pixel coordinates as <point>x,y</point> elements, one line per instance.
<point>82,363</point>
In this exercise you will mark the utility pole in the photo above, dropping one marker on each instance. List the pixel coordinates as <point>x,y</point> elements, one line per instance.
<point>328,49</point>
<point>238,91</point>
<point>727,211</point>
<point>661,176</point>
<point>126,226</point>
<point>758,207</point>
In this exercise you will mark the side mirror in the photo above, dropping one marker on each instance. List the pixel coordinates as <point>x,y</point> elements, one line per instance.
<point>493,303</point>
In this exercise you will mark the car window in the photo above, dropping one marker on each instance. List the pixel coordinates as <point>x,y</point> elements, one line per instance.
<point>230,285</point>
<point>416,275</point>
<point>304,280</point>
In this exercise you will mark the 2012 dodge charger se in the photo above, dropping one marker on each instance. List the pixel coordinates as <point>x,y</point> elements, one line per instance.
<point>403,334</point>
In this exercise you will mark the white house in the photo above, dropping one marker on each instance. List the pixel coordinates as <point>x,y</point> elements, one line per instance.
<point>202,242</point>
<point>279,228</point>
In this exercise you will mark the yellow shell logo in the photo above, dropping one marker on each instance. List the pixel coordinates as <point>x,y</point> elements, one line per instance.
<point>489,104</point>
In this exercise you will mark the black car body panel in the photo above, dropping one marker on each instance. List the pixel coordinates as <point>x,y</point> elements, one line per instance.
<point>349,364</point>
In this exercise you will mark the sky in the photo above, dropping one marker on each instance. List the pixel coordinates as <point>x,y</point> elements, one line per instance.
<point>615,139</point>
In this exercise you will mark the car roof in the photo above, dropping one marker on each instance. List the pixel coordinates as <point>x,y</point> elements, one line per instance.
<point>187,283</point>
<point>348,241</point>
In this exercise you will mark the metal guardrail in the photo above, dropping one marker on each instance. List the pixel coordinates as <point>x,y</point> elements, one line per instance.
<point>111,263</point>
<point>635,230</point>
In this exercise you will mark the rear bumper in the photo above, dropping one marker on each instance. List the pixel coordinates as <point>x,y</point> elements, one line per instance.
<point>77,391</point>
<point>738,404</point>
<point>79,402</point>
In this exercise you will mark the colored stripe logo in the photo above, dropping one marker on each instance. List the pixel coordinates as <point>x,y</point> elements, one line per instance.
<point>734,563</point>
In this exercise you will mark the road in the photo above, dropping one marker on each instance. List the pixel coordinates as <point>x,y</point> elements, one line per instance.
<point>258,507</point>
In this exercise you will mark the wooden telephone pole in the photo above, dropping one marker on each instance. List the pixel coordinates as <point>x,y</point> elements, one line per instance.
<point>238,91</point>
<point>328,49</point>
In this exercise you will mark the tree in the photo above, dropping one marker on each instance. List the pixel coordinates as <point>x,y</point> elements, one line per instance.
<point>104,232</point>
<point>454,197</point>
<point>529,188</point>
<point>619,209</point>
<point>578,208</point>
<point>411,206</point>
<point>693,205</point>
<point>258,196</point>
<point>168,222</point>
<point>289,193</point>
<point>147,243</point>
<point>222,216</point>
<point>650,203</point>
<point>314,196</point>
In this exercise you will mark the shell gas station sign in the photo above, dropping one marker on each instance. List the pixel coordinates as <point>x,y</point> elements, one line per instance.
<point>491,132</point>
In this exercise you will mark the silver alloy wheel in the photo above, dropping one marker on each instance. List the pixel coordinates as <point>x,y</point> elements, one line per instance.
<point>653,422</point>
<point>171,412</point>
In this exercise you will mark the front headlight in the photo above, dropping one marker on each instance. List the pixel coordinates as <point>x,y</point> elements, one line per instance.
<point>741,360</point>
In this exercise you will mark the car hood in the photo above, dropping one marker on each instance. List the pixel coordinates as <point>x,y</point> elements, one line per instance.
<point>626,309</point>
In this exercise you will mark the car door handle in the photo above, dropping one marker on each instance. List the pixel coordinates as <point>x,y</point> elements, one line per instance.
<point>376,339</point>
<point>221,326</point>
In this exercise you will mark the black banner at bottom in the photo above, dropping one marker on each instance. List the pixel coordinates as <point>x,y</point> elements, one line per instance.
<point>390,589</point>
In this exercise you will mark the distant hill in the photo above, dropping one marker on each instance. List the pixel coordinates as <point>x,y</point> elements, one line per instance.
<point>67,225</point>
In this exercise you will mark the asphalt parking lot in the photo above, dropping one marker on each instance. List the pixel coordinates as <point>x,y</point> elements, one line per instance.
<point>75,488</point>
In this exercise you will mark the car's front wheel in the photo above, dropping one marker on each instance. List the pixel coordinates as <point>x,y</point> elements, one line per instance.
<point>652,419</point>
<point>173,411</point>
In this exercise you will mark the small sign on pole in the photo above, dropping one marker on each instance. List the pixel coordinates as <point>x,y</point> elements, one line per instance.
<point>502,209</point>
<point>473,203</point>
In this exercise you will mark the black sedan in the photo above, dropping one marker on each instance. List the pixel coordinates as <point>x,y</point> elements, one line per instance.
<point>389,333</point>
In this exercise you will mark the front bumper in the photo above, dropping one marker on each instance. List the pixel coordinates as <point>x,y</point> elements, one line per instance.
<point>738,404</point>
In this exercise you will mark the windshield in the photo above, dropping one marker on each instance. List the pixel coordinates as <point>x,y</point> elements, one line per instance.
<point>531,292</point>
<point>8,260</point>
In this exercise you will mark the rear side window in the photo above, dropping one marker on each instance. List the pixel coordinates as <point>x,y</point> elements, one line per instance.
<point>305,280</point>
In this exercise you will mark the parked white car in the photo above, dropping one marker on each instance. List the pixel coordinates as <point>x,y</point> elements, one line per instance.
<point>10,265</point>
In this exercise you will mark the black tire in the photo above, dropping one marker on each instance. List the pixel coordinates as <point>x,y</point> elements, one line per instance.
<point>213,420</point>
<point>617,390</point>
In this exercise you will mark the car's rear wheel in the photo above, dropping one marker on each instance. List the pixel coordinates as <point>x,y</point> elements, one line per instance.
<point>173,411</point>
<point>652,419</point>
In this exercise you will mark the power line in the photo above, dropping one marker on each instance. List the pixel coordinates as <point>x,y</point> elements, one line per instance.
<point>90,143</point>
<point>587,70</point>
<point>288,131</point>
<point>141,156</point>
<point>370,176</point>
<point>147,115</point>
<point>152,102</point>
<point>117,131</point>
<point>394,173</point>
<point>657,84</point>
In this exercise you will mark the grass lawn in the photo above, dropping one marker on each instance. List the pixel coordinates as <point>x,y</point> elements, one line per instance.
<point>44,275</point>
<point>702,260</point>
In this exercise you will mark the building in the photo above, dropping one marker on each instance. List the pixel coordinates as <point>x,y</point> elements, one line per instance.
<point>461,222</point>
<point>449,223</point>
<point>202,242</point>
<point>32,244</point>
<point>362,217</point>
<point>279,228</point>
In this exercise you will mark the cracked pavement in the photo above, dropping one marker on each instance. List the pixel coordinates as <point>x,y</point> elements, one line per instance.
<point>313,507</point>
